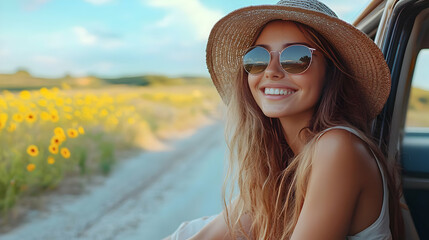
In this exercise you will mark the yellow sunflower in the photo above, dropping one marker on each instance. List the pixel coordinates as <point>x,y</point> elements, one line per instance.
<point>3,120</point>
<point>31,167</point>
<point>54,117</point>
<point>32,150</point>
<point>81,130</point>
<point>72,133</point>
<point>58,131</point>
<point>65,152</point>
<point>31,117</point>
<point>17,117</point>
<point>53,149</point>
<point>56,140</point>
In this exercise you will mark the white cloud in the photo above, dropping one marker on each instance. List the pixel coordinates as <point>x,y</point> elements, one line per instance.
<point>98,2</point>
<point>88,38</point>
<point>85,37</point>
<point>193,12</point>
<point>165,22</point>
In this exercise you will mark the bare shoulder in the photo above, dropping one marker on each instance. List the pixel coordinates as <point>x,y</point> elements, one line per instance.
<point>341,146</point>
<point>339,150</point>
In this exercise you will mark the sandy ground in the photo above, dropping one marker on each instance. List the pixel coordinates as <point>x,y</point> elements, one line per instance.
<point>146,197</point>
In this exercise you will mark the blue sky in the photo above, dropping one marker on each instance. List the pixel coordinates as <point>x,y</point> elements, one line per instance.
<point>112,38</point>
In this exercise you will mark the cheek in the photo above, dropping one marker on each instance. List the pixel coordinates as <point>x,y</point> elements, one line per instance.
<point>312,85</point>
<point>253,81</point>
<point>318,77</point>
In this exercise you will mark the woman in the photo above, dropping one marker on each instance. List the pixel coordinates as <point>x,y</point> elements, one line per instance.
<point>301,88</point>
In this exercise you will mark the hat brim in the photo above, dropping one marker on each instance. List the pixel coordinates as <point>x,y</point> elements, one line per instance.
<point>234,33</point>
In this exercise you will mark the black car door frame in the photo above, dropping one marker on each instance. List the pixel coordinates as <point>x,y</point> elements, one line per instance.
<point>389,125</point>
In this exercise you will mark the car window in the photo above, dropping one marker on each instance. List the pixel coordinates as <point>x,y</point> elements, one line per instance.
<point>418,104</point>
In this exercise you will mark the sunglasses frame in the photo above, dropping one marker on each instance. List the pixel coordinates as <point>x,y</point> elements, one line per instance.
<point>280,53</point>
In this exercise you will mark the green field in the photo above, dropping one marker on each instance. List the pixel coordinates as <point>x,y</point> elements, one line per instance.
<point>54,129</point>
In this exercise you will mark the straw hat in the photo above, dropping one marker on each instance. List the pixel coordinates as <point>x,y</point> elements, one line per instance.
<point>233,35</point>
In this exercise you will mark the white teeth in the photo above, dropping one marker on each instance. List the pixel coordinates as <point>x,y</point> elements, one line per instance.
<point>276,91</point>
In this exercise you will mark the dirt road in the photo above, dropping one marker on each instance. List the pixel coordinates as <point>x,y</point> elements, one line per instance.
<point>146,197</point>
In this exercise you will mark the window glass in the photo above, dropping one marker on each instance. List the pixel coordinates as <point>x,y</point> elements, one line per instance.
<point>418,104</point>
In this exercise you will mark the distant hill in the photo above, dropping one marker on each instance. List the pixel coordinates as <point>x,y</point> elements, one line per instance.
<point>157,80</point>
<point>24,80</point>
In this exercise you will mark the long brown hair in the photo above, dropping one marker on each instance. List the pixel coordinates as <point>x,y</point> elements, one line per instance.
<point>272,182</point>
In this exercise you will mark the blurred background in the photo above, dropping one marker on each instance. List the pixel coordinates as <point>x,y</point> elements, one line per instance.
<point>110,127</point>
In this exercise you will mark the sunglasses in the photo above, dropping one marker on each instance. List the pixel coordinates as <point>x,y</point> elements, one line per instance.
<point>294,59</point>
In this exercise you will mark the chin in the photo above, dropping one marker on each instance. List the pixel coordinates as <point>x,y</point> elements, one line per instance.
<point>273,114</point>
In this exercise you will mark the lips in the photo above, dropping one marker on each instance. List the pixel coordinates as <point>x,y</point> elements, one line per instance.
<point>278,85</point>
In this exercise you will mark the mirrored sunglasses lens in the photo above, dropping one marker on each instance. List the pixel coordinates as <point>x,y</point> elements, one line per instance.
<point>295,59</point>
<point>256,60</point>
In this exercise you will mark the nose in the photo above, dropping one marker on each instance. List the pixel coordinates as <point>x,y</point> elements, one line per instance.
<point>274,70</point>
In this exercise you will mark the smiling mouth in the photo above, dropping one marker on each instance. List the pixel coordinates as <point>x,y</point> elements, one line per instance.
<point>278,91</point>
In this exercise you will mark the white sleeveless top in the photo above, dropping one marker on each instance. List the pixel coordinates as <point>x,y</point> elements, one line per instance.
<point>378,230</point>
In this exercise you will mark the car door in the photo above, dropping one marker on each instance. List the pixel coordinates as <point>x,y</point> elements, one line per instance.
<point>401,30</point>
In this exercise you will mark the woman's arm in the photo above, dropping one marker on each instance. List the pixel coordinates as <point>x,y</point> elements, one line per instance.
<point>334,187</point>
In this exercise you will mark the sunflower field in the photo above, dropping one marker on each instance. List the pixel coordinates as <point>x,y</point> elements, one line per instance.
<point>49,134</point>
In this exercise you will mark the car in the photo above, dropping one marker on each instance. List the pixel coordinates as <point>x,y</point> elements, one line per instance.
<point>401,29</point>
